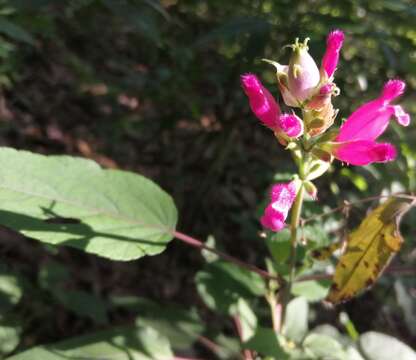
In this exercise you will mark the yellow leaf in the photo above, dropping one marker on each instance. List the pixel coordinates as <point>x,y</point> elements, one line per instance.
<point>324,253</point>
<point>369,250</point>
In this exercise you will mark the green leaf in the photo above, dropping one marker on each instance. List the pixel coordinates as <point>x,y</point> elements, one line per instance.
<point>296,320</point>
<point>220,284</point>
<point>9,338</point>
<point>83,304</point>
<point>378,346</point>
<point>10,292</point>
<point>318,346</point>
<point>247,318</point>
<point>63,200</point>
<point>128,343</point>
<point>265,342</point>
<point>279,245</point>
<point>181,326</point>
<point>15,32</point>
<point>311,290</point>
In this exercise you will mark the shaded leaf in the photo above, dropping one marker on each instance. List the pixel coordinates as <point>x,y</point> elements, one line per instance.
<point>180,326</point>
<point>15,32</point>
<point>369,250</point>
<point>220,284</point>
<point>10,291</point>
<point>265,342</point>
<point>128,343</point>
<point>63,200</point>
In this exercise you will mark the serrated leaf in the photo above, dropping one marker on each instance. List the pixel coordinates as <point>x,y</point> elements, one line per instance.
<point>63,200</point>
<point>378,346</point>
<point>369,250</point>
<point>127,343</point>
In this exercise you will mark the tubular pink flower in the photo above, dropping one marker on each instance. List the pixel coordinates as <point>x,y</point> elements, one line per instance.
<point>262,103</point>
<point>290,124</point>
<point>370,120</point>
<point>334,43</point>
<point>282,197</point>
<point>364,152</point>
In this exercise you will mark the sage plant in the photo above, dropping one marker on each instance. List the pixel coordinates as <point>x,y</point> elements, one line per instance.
<point>308,129</point>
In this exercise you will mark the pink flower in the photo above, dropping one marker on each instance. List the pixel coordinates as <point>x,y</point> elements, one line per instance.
<point>262,103</point>
<point>303,73</point>
<point>364,152</point>
<point>289,125</point>
<point>282,197</point>
<point>355,143</point>
<point>334,43</point>
<point>371,119</point>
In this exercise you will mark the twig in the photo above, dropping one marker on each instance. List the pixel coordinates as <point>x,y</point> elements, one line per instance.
<point>200,245</point>
<point>392,270</point>
<point>361,201</point>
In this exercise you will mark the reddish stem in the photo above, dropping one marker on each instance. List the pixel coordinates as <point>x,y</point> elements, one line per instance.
<point>246,352</point>
<point>200,245</point>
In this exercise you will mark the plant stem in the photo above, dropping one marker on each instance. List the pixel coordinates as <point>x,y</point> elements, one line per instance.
<point>294,224</point>
<point>200,245</point>
<point>276,311</point>
<point>246,352</point>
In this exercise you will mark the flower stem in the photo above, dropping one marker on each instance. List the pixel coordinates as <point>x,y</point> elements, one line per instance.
<point>294,224</point>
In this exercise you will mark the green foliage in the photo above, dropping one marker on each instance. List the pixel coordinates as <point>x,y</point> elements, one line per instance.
<point>114,214</point>
<point>265,342</point>
<point>296,320</point>
<point>220,284</point>
<point>127,343</point>
<point>378,346</point>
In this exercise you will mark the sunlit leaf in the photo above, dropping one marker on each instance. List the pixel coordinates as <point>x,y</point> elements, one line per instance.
<point>378,346</point>
<point>296,320</point>
<point>63,200</point>
<point>370,248</point>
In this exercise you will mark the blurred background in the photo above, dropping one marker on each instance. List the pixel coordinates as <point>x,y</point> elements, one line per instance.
<point>153,87</point>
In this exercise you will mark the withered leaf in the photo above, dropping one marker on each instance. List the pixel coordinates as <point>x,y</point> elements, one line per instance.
<point>369,250</point>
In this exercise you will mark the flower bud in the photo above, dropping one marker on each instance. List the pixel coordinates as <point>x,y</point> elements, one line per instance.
<point>310,189</point>
<point>303,73</point>
<point>262,103</point>
<point>289,126</point>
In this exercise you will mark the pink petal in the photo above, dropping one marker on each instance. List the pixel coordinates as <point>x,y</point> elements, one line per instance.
<point>303,74</point>
<point>392,89</point>
<point>370,120</point>
<point>334,43</point>
<point>364,152</point>
<point>282,197</point>
<point>262,103</point>
<point>273,219</point>
<point>291,125</point>
<point>402,117</point>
